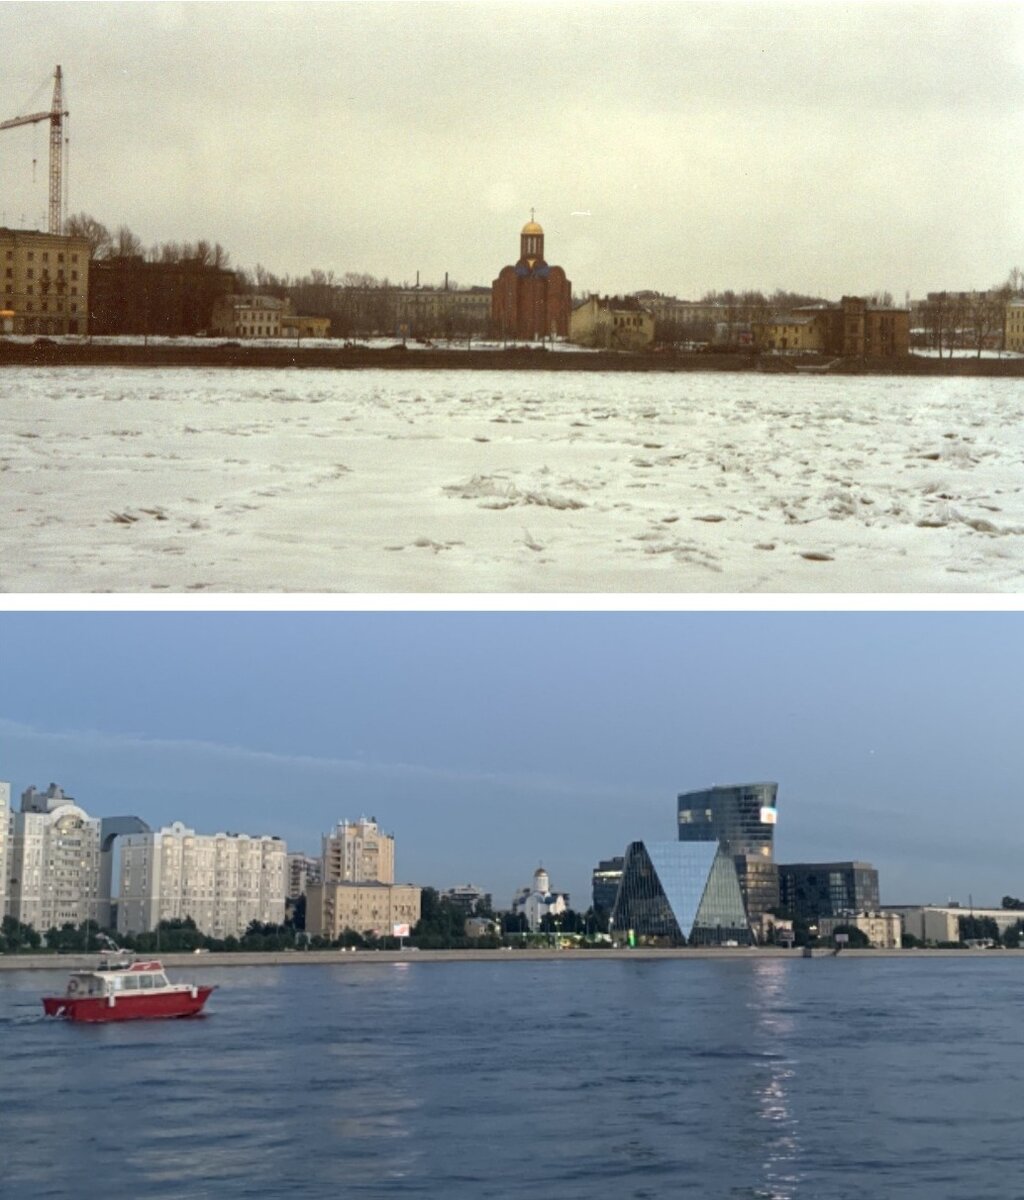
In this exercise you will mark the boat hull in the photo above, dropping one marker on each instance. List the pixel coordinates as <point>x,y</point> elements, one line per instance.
<point>188,1002</point>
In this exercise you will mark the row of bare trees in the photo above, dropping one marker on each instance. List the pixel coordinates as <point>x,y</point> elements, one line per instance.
<point>123,243</point>
<point>969,320</point>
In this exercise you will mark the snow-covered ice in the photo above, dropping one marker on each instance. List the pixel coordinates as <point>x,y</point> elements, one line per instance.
<point>236,480</point>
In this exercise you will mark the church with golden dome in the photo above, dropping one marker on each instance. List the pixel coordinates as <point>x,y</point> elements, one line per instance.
<point>532,300</point>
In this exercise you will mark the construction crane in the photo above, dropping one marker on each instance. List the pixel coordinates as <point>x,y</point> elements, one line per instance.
<point>56,117</point>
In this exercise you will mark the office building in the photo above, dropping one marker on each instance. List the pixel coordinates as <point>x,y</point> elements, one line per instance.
<point>680,893</point>
<point>605,880</point>
<point>742,819</point>
<point>222,881</point>
<point>128,295</point>
<point>884,930</point>
<point>809,891</point>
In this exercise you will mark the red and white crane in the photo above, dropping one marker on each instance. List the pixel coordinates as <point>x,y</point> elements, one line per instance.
<point>55,116</point>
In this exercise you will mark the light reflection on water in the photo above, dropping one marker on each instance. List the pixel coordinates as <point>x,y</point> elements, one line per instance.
<point>765,1079</point>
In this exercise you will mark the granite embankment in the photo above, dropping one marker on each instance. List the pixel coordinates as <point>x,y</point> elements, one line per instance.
<point>46,353</point>
<point>357,958</point>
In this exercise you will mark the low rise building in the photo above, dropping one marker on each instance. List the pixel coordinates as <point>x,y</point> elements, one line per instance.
<point>935,924</point>
<point>333,907</point>
<point>44,282</point>
<point>810,891</point>
<point>1013,333</point>
<point>794,333</point>
<point>222,881</point>
<point>478,927</point>
<point>884,930</point>
<point>250,316</point>
<point>612,323</point>
<point>293,326</point>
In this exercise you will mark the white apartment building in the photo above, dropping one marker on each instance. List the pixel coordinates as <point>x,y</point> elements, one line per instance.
<point>223,881</point>
<point>5,823</point>
<point>357,852</point>
<point>53,862</point>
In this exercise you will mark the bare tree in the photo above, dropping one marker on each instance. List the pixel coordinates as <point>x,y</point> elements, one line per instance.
<point>125,243</point>
<point>96,234</point>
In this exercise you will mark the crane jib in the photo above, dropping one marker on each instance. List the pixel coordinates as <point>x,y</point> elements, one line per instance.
<point>55,116</point>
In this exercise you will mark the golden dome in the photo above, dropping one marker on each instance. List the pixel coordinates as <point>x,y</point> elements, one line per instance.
<point>533,227</point>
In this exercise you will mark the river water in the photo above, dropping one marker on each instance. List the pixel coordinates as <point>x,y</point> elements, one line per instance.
<point>781,1079</point>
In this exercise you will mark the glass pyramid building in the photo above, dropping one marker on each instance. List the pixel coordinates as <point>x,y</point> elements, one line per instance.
<point>686,893</point>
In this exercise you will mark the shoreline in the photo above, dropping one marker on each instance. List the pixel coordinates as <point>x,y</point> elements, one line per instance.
<point>398,357</point>
<point>357,958</point>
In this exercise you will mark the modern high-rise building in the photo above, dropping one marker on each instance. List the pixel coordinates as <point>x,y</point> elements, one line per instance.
<point>605,880</point>
<point>681,893</point>
<point>741,818</point>
<point>223,881</point>
<point>811,890</point>
<point>357,852</point>
<point>53,862</point>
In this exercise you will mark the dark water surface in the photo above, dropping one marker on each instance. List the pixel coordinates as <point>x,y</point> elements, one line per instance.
<point>781,1079</point>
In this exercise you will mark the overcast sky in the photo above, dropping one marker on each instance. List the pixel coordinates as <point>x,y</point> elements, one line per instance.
<point>823,146</point>
<point>491,742</point>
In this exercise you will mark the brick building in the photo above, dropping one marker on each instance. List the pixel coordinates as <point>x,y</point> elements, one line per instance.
<point>128,295</point>
<point>531,300</point>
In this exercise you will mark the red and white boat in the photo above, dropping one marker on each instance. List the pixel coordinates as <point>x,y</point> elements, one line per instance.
<point>126,991</point>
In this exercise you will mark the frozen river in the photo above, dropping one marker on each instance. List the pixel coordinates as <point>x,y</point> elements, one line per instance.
<point>188,480</point>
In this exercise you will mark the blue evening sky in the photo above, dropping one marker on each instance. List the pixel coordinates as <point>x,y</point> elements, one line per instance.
<point>490,742</point>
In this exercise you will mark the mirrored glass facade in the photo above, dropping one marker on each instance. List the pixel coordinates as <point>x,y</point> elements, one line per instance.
<point>741,818</point>
<point>812,890</point>
<point>680,893</point>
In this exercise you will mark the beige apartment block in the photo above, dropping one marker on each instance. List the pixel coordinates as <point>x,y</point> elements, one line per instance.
<point>53,861</point>
<point>615,323</point>
<point>884,930</point>
<point>247,316</point>
<point>357,852</point>
<point>223,881</point>
<point>364,908</point>
<point>44,282</point>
